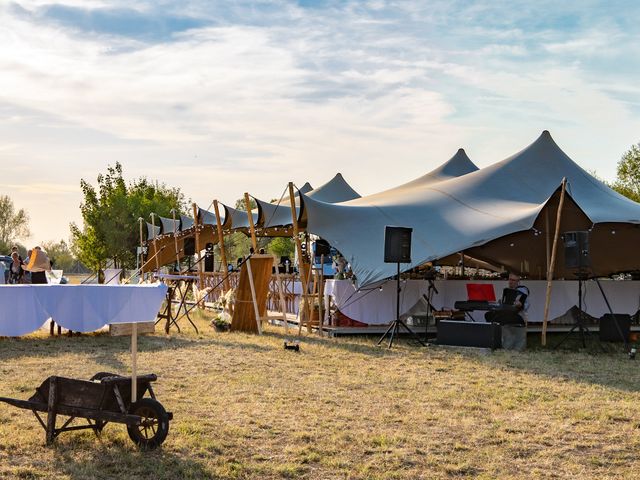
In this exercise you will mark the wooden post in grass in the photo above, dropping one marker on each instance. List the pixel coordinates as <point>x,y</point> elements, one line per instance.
<point>254,299</point>
<point>223,255</point>
<point>254,242</point>
<point>134,362</point>
<point>552,263</point>
<point>303,267</point>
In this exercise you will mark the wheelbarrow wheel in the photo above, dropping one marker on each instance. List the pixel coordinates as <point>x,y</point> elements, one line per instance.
<point>153,428</point>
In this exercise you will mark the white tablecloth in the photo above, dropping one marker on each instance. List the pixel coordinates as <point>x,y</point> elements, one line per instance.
<point>81,308</point>
<point>376,307</point>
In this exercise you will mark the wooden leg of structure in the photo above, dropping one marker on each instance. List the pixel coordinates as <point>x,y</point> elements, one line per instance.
<point>51,412</point>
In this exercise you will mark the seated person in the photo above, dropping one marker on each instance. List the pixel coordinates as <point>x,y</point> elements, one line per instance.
<point>516,295</point>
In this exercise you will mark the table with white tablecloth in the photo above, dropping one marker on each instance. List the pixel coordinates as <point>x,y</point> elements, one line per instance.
<point>376,304</point>
<point>81,308</point>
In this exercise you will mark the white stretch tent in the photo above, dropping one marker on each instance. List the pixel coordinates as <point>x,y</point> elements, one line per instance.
<point>492,214</point>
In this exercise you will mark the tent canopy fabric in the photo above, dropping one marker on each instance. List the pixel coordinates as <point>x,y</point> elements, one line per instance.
<point>451,214</point>
<point>169,225</point>
<point>334,191</point>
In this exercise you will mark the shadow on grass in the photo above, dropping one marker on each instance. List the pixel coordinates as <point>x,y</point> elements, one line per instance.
<point>86,457</point>
<point>607,365</point>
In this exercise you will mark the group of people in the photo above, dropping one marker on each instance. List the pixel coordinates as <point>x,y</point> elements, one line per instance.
<point>29,270</point>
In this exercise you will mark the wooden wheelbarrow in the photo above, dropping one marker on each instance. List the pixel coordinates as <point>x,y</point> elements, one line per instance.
<point>105,398</point>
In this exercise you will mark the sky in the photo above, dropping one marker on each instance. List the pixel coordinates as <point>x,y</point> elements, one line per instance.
<point>222,98</point>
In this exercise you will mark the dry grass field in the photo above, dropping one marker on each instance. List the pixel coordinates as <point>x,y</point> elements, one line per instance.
<point>340,408</point>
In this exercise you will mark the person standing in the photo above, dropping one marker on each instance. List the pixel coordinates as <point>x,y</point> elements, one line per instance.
<point>38,264</point>
<point>16,273</point>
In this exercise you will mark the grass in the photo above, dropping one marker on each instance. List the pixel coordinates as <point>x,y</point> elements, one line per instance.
<point>340,408</point>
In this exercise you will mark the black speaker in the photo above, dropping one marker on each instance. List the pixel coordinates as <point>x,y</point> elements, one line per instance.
<point>609,331</point>
<point>322,247</point>
<point>190,246</point>
<point>576,250</point>
<point>208,257</point>
<point>397,244</point>
<point>469,334</point>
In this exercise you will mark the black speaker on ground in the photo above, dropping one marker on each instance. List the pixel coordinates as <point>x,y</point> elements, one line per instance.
<point>576,250</point>
<point>397,244</point>
<point>322,247</point>
<point>189,246</point>
<point>208,258</point>
<point>609,330</point>
<point>469,334</point>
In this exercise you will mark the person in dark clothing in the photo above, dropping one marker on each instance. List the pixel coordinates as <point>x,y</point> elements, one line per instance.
<point>16,273</point>
<point>516,295</point>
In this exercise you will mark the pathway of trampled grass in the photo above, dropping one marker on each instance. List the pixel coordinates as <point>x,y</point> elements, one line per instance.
<point>340,408</point>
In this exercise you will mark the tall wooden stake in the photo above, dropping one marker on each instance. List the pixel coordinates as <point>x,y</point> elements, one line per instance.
<point>175,238</point>
<point>283,305</point>
<point>254,242</point>
<point>303,267</point>
<point>547,235</point>
<point>223,255</point>
<point>134,361</point>
<point>552,263</point>
<point>155,245</point>
<point>197,230</point>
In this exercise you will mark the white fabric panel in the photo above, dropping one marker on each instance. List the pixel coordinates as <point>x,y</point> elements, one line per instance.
<point>169,225</point>
<point>458,213</point>
<point>185,222</point>
<point>372,306</point>
<point>112,276</point>
<point>81,308</point>
<point>207,217</point>
<point>152,231</point>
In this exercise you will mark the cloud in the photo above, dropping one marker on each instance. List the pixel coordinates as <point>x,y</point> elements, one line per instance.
<point>224,97</point>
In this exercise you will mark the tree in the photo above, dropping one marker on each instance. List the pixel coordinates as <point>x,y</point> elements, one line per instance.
<point>13,224</point>
<point>282,247</point>
<point>110,217</point>
<point>60,254</point>
<point>627,182</point>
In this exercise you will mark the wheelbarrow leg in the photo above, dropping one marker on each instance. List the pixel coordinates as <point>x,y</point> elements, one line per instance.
<point>51,411</point>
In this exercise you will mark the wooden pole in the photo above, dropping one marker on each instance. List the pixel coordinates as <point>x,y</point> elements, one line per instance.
<point>197,230</point>
<point>134,361</point>
<point>155,245</point>
<point>547,238</point>
<point>552,264</point>
<point>175,238</point>
<point>223,255</point>
<point>254,298</point>
<point>301,260</point>
<point>254,242</point>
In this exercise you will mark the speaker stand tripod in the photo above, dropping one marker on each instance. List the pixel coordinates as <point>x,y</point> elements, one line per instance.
<point>579,320</point>
<point>394,328</point>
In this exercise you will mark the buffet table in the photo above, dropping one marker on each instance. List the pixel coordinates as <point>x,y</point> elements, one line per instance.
<point>81,308</point>
<point>376,304</point>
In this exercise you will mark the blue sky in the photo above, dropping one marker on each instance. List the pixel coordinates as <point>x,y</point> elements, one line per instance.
<point>220,98</point>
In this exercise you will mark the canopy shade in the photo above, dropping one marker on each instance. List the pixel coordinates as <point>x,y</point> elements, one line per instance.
<point>463,213</point>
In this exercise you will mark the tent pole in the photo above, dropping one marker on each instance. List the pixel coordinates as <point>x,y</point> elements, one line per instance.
<point>552,263</point>
<point>254,242</point>
<point>301,263</point>
<point>283,306</point>
<point>155,245</point>
<point>223,254</point>
<point>175,238</point>
<point>321,297</point>
<point>197,230</point>
<point>547,236</point>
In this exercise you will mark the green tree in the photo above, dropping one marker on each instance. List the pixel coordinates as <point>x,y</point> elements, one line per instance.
<point>13,224</point>
<point>627,182</point>
<point>110,217</point>
<point>60,254</point>
<point>281,247</point>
